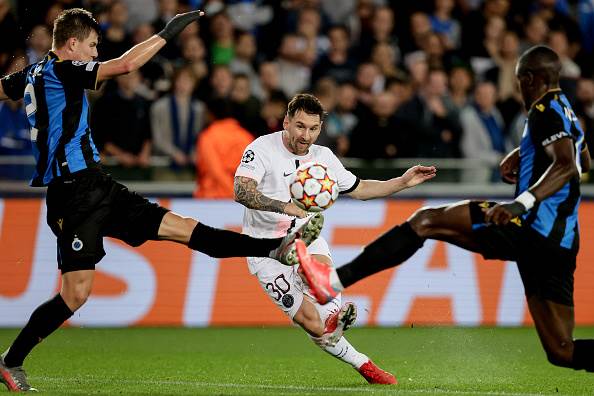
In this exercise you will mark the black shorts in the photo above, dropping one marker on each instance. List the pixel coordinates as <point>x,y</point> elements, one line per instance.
<point>546,269</point>
<point>91,205</point>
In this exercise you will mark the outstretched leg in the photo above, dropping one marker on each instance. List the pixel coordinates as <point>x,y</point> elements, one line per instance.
<point>450,223</point>
<point>221,243</point>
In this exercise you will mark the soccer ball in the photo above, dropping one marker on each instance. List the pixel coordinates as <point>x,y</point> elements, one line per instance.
<point>314,187</point>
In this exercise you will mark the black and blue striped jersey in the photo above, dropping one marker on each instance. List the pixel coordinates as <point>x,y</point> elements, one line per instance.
<point>551,118</point>
<point>58,112</point>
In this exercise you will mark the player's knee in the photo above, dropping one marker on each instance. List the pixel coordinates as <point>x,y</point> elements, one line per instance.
<point>76,298</point>
<point>423,221</point>
<point>560,354</point>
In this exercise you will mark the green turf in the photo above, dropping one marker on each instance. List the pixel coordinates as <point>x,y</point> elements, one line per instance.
<point>273,361</point>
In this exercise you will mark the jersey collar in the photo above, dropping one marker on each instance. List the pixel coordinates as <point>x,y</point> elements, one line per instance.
<point>544,95</point>
<point>52,55</point>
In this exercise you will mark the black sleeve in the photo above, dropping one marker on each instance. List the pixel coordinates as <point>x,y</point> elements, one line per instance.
<point>550,125</point>
<point>76,73</point>
<point>14,84</point>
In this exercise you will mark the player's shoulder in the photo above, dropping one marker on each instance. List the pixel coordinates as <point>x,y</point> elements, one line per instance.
<point>265,142</point>
<point>551,107</point>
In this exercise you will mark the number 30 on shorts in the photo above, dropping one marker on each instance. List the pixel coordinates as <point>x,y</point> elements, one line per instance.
<point>279,287</point>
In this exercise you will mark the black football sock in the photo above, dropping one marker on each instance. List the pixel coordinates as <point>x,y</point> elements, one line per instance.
<point>224,243</point>
<point>43,321</point>
<point>583,355</point>
<point>389,250</point>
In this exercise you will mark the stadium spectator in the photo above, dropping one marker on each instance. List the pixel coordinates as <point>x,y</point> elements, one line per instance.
<point>121,125</point>
<point>557,20</point>
<point>401,87</point>
<point>38,44</point>
<point>194,57</point>
<point>419,27</point>
<point>309,24</point>
<point>167,10</point>
<point>246,107</point>
<point>369,82</point>
<point>218,151</point>
<point>244,60</point>
<point>337,63</point>
<point>432,118</point>
<point>483,134</point>
<point>418,68</point>
<point>559,43</point>
<point>115,40</point>
<point>140,12</point>
<point>157,72</point>
<point>360,21</point>
<point>221,82</point>
<point>381,134</point>
<point>384,57</point>
<point>432,46</point>
<point>273,111</point>
<point>222,47</point>
<point>346,118</point>
<point>486,55</point>
<point>503,76</point>
<point>268,80</point>
<point>326,90</point>
<point>445,25</point>
<point>535,32</point>
<point>294,64</point>
<point>460,83</point>
<point>381,31</point>
<point>176,120</point>
<point>473,24</point>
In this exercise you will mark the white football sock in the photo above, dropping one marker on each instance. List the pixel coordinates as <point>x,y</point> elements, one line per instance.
<point>343,350</point>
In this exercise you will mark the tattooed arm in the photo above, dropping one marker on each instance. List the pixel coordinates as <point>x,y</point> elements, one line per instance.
<point>247,194</point>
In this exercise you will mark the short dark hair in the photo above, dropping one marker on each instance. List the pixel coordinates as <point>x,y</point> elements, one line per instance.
<point>220,108</point>
<point>75,22</point>
<point>307,103</point>
<point>542,61</point>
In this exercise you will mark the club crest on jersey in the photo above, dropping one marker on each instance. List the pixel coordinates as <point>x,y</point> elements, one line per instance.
<point>288,300</point>
<point>77,244</point>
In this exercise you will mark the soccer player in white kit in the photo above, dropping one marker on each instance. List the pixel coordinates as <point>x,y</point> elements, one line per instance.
<point>262,186</point>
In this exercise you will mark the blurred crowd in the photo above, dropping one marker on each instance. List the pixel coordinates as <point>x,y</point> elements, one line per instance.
<point>399,79</point>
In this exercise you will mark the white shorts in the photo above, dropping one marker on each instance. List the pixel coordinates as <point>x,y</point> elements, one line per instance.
<point>281,282</point>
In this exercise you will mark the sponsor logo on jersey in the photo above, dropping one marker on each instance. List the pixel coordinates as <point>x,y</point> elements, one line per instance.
<point>554,137</point>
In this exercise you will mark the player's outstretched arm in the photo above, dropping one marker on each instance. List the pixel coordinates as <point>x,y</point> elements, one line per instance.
<point>138,55</point>
<point>247,194</point>
<point>370,189</point>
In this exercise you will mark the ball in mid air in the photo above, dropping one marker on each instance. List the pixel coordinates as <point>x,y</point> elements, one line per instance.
<point>314,187</point>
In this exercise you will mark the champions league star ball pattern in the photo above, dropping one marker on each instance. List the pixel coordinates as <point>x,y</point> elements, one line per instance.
<point>314,187</point>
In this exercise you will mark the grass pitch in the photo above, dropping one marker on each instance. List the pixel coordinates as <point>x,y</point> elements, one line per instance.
<point>274,361</point>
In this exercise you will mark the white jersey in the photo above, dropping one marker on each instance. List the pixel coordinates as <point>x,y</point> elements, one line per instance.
<point>272,165</point>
